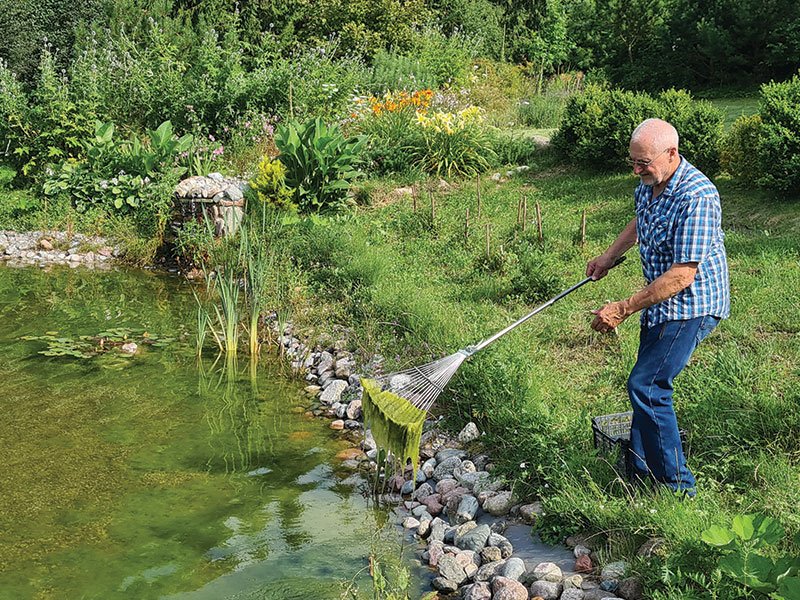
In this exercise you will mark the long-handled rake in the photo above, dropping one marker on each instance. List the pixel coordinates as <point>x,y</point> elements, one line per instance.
<point>422,385</point>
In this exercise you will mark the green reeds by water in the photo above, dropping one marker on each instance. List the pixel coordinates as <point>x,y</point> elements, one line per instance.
<point>246,281</point>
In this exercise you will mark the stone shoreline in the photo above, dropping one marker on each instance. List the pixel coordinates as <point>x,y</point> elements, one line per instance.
<point>454,489</point>
<point>48,248</point>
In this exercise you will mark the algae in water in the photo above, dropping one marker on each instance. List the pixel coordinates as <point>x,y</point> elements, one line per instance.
<point>396,424</point>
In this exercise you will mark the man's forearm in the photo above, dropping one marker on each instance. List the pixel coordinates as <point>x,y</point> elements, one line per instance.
<point>668,284</point>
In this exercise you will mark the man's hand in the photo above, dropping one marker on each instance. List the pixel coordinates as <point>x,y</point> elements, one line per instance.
<point>597,268</point>
<point>608,317</point>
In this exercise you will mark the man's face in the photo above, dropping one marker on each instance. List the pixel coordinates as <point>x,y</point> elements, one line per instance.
<point>652,164</point>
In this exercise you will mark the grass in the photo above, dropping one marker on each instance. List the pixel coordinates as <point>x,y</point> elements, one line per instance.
<point>414,288</point>
<point>733,108</point>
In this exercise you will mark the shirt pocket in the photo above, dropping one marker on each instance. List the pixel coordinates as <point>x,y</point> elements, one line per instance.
<point>657,235</point>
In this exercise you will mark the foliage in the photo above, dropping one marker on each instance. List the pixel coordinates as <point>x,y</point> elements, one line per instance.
<point>699,126</point>
<point>779,148</point>
<point>320,163</point>
<point>740,147</point>
<point>598,123</point>
<point>453,143</point>
<point>118,174</point>
<point>389,123</point>
<point>269,184</point>
<point>743,561</point>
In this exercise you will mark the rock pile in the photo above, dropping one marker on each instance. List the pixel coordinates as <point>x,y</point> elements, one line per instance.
<point>45,248</point>
<point>455,508</point>
<point>219,199</point>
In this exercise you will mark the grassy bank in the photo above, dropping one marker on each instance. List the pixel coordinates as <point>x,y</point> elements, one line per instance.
<point>415,286</point>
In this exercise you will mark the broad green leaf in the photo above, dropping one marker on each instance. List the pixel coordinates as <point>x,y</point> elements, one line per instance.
<point>717,536</point>
<point>743,526</point>
<point>789,588</point>
<point>748,571</point>
<point>767,529</point>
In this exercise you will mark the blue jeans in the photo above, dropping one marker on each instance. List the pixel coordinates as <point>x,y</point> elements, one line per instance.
<point>655,446</point>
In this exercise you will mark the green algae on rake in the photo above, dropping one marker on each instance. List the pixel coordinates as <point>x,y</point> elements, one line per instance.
<point>396,424</point>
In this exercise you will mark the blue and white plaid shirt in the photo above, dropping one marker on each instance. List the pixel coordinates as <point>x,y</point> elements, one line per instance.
<point>684,224</point>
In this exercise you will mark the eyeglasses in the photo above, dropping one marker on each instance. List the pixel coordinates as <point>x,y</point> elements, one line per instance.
<point>643,164</point>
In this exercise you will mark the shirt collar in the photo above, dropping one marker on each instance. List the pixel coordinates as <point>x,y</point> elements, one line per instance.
<point>677,176</point>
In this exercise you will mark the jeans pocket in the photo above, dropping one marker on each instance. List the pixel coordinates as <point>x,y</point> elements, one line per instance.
<point>707,325</point>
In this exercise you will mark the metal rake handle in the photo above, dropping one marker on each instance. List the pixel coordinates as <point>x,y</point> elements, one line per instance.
<point>470,350</point>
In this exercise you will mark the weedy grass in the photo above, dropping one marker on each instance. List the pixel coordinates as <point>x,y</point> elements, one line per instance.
<point>418,285</point>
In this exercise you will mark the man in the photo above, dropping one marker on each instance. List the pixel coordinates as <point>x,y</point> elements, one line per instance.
<point>678,228</point>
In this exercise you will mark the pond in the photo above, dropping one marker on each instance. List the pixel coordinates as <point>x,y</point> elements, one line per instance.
<point>157,475</point>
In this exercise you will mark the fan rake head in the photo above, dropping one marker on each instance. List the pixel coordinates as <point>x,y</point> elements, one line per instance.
<point>422,385</point>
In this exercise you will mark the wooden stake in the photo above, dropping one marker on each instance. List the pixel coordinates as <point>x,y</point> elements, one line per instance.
<point>524,212</point>
<point>478,188</point>
<point>466,226</point>
<point>583,228</point>
<point>539,221</point>
<point>414,198</point>
<point>519,210</point>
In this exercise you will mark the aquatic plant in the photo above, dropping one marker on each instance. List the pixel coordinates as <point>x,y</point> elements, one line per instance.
<point>396,424</point>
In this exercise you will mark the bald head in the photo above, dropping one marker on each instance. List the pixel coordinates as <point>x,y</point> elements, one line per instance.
<point>655,133</point>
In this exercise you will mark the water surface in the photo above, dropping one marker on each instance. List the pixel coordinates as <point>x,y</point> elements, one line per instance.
<point>155,476</point>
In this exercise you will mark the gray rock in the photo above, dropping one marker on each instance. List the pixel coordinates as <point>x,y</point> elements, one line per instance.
<point>438,529</point>
<point>630,589</point>
<point>581,551</point>
<point>445,485</point>
<point>424,527</point>
<point>444,585</point>
<point>499,504</point>
<point>598,594</point>
<point>514,568</point>
<point>467,508</point>
<point>572,594</point>
<point>474,540</point>
<point>548,590</point>
<point>530,512</point>
<point>614,570</point>
<point>408,488</point>
<point>435,552</point>
<point>410,523</point>
<point>450,568</point>
<point>354,410</point>
<point>477,591</point>
<point>488,571</point>
<point>428,466</point>
<point>502,543</point>
<point>548,571</point>
<point>325,363</point>
<point>472,480</point>
<point>650,547</point>
<point>444,468</point>
<point>470,433</point>
<point>446,453</point>
<point>422,492</point>
<point>333,392</point>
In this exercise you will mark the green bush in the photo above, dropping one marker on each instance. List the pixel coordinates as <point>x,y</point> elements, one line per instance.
<point>269,185</point>
<point>393,71</point>
<point>537,276</point>
<point>598,123</point>
<point>512,148</point>
<point>779,151</point>
<point>699,126</point>
<point>320,163</point>
<point>739,153</point>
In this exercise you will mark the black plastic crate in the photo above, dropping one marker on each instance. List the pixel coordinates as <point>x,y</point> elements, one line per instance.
<point>612,433</point>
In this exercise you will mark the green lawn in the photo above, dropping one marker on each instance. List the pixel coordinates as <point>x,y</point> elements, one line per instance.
<point>733,108</point>
<point>414,289</point>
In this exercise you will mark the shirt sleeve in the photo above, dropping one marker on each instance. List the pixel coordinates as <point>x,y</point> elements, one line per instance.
<point>696,228</point>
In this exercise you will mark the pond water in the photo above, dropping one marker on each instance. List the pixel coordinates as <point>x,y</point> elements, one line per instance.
<point>158,476</point>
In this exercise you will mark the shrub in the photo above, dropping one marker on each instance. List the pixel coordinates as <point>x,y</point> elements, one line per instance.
<point>699,125</point>
<point>319,163</point>
<point>740,148</point>
<point>541,111</point>
<point>269,185</point>
<point>393,71</point>
<point>779,151</point>
<point>512,148</point>
<point>598,123</point>
<point>537,276</point>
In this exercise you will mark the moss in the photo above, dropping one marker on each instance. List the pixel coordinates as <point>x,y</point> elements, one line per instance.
<point>396,424</point>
